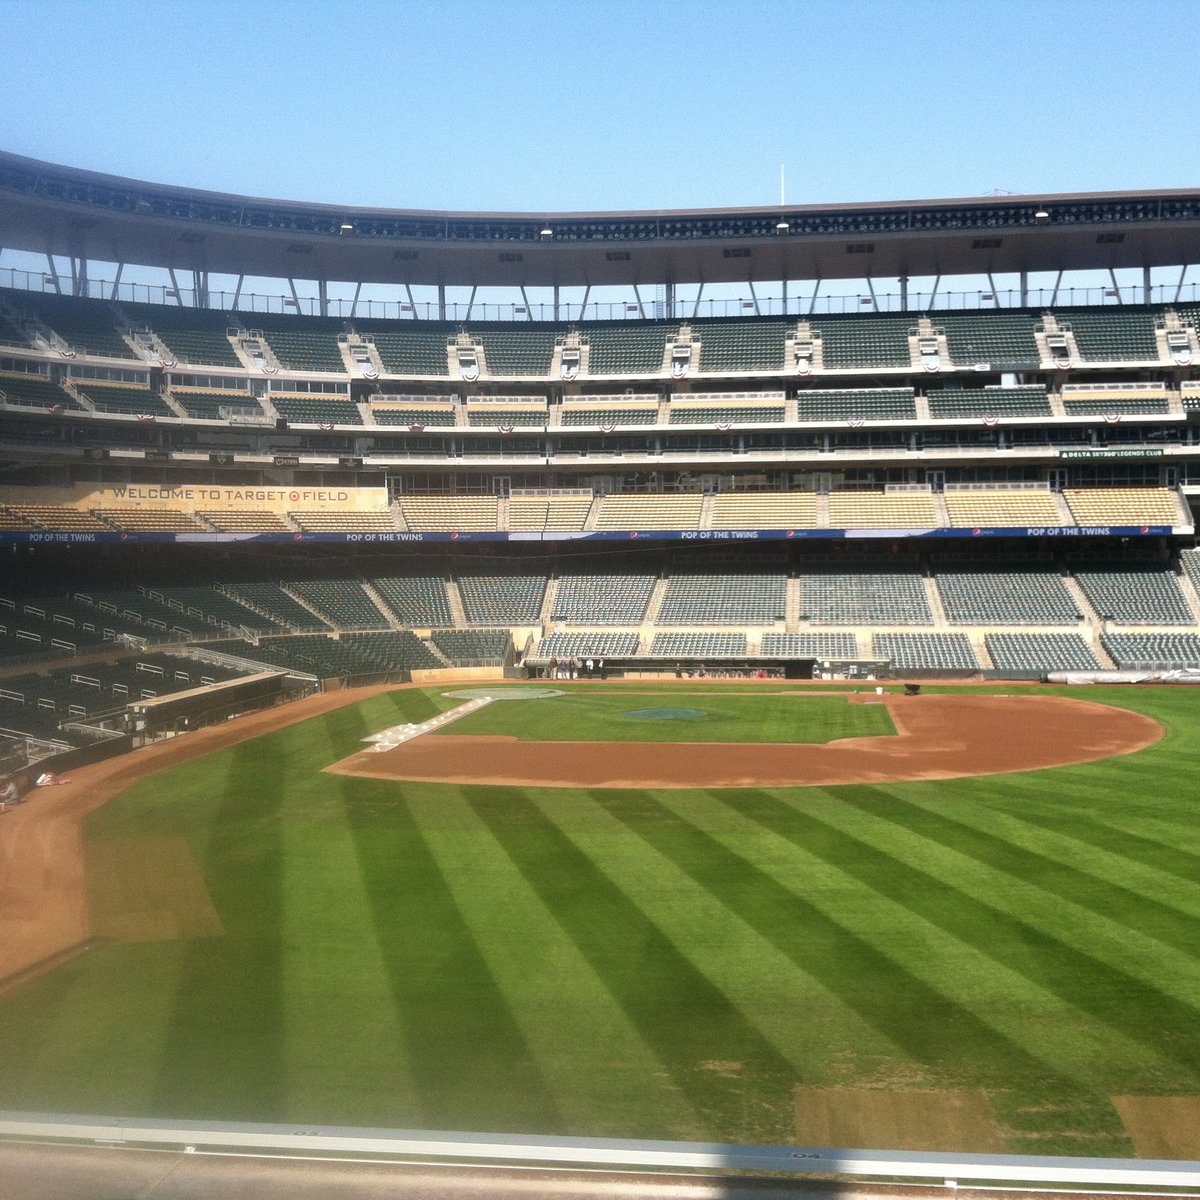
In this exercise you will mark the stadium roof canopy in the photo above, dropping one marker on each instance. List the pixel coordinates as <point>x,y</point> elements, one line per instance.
<point>84,215</point>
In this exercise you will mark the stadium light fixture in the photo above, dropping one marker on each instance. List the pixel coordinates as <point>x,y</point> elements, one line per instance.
<point>547,234</point>
<point>346,227</point>
<point>782,227</point>
<point>1041,215</point>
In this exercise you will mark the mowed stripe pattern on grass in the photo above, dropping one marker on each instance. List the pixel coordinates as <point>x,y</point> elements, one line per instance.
<point>670,964</point>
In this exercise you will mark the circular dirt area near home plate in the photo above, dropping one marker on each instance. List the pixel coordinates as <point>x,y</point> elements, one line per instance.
<point>948,736</point>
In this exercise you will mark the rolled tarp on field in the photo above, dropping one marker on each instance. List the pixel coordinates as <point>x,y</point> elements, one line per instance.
<point>1172,675</point>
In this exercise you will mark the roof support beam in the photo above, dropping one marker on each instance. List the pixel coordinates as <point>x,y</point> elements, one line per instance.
<point>441,301</point>
<point>637,291</point>
<point>471,302</point>
<point>812,300</point>
<point>295,294</point>
<point>237,291</point>
<point>52,272</point>
<point>175,289</point>
<point>937,282</point>
<point>354,302</point>
<point>1179,285</point>
<point>1057,285</point>
<point>1024,277</point>
<point>525,301</point>
<point>200,288</point>
<point>754,297</point>
<point>696,305</point>
<point>587,292</point>
<point>903,293</point>
<point>323,296</point>
<point>1145,285</point>
<point>116,281</point>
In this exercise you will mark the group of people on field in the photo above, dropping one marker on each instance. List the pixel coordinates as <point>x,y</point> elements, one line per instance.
<point>574,668</point>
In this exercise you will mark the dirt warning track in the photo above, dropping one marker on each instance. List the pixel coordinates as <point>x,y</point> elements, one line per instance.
<point>947,736</point>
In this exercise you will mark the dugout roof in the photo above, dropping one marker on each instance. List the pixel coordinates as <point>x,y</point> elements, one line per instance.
<point>66,211</point>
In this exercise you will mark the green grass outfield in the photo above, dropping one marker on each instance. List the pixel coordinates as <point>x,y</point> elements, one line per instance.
<point>656,964</point>
<point>591,716</point>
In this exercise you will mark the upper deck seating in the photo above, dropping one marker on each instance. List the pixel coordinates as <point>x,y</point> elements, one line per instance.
<point>765,510</point>
<point>87,326</point>
<point>150,520</point>
<point>126,398</point>
<point>1025,400</point>
<point>501,416</point>
<point>510,350</point>
<point>1040,652</point>
<point>602,599</point>
<point>627,347</point>
<point>300,343</point>
<point>1106,334</point>
<point>1001,338</point>
<point>882,510</point>
<point>861,598</point>
<point>61,518</point>
<point>193,335</point>
<point>414,351</point>
<point>217,404</point>
<point>969,508</point>
<point>723,600</point>
<point>672,511</point>
<point>757,344</point>
<point>333,520</point>
<point>609,414</point>
<point>448,514</point>
<point>855,340</point>
<point>1099,400</point>
<point>737,409</point>
<point>34,391</point>
<point>316,410</point>
<point>548,512</point>
<point>414,411</point>
<point>851,404</point>
<point>1123,506</point>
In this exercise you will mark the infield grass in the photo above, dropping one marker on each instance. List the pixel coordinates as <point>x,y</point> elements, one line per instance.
<point>656,964</point>
<point>597,716</point>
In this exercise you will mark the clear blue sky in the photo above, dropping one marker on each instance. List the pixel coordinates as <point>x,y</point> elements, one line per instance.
<point>594,105</point>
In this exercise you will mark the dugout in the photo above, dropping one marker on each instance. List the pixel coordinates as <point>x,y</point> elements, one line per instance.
<point>196,707</point>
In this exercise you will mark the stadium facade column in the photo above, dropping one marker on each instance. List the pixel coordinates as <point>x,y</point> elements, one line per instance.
<point>200,288</point>
<point>669,298</point>
<point>904,293</point>
<point>556,312</point>
<point>441,302</point>
<point>323,296</point>
<point>1024,283</point>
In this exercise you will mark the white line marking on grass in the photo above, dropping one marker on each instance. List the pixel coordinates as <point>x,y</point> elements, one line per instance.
<point>397,735</point>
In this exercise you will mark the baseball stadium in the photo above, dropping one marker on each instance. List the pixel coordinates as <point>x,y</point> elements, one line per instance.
<point>437,695</point>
